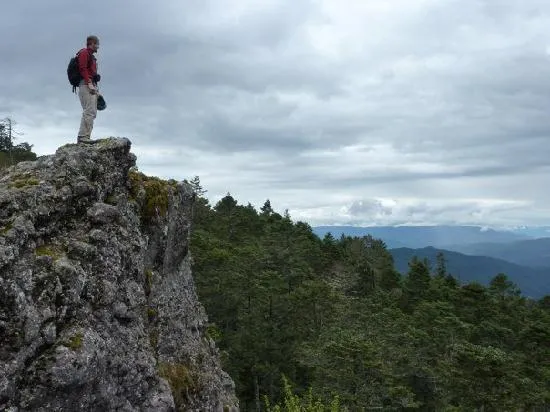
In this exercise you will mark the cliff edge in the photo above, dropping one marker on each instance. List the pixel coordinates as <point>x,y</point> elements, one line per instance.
<point>98,310</point>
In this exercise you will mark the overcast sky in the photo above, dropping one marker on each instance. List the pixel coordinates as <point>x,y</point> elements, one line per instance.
<point>343,111</point>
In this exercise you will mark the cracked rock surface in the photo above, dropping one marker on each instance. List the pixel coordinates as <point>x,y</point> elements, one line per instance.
<point>98,309</point>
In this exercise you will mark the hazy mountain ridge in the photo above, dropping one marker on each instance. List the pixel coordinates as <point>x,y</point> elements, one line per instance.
<point>534,253</point>
<point>424,236</point>
<point>533,282</point>
<point>474,253</point>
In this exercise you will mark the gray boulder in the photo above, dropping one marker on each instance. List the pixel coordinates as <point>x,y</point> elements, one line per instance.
<point>98,309</point>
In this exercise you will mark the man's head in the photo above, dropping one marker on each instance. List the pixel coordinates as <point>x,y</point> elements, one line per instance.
<point>92,42</point>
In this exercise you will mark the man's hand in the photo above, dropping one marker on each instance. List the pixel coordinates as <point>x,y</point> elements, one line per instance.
<point>92,88</point>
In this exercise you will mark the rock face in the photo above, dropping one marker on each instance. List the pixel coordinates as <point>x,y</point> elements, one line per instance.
<point>98,310</point>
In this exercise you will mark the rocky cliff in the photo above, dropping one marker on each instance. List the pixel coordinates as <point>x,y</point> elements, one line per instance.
<point>98,309</point>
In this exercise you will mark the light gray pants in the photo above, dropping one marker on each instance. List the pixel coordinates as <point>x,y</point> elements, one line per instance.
<point>89,111</point>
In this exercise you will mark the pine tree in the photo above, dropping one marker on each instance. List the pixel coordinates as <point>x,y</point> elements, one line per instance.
<point>266,209</point>
<point>417,282</point>
<point>441,265</point>
<point>9,153</point>
<point>196,186</point>
<point>501,286</point>
<point>4,141</point>
<point>6,135</point>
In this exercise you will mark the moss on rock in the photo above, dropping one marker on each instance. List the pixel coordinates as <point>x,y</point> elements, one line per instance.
<point>156,194</point>
<point>24,182</point>
<point>5,229</point>
<point>54,251</point>
<point>182,380</point>
<point>148,281</point>
<point>75,341</point>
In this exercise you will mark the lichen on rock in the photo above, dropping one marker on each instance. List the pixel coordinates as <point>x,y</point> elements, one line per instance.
<point>98,309</point>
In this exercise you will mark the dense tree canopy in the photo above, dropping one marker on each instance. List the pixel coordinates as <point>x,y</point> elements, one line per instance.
<point>333,316</point>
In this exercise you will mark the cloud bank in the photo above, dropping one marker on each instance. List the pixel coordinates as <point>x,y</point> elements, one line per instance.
<point>342,112</point>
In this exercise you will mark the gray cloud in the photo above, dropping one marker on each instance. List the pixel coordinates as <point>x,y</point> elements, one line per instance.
<point>340,111</point>
<point>368,207</point>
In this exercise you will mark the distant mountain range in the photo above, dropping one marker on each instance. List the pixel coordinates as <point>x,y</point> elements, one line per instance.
<point>423,236</point>
<point>533,232</point>
<point>533,282</point>
<point>532,252</point>
<point>472,252</point>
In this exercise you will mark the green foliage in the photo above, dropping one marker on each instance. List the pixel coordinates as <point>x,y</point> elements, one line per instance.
<point>197,187</point>
<point>6,228</point>
<point>148,281</point>
<point>11,154</point>
<point>151,314</point>
<point>294,403</point>
<point>212,332</point>
<point>15,155</point>
<point>75,341</point>
<point>20,183</point>
<point>417,282</point>
<point>153,338</point>
<point>111,200</point>
<point>54,251</point>
<point>336,318</point>
<point>156,192</point>
<point>501,286</point>
<point>6,136</point>
<point>182,380</point>
<point>266,209</point>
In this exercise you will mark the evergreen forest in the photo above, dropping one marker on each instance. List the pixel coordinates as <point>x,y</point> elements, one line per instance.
<point>328,324</point>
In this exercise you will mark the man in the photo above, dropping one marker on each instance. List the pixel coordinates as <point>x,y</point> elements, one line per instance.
<point>87,89</point>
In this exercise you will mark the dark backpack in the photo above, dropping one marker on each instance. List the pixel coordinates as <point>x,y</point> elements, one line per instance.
<point>73,73</point>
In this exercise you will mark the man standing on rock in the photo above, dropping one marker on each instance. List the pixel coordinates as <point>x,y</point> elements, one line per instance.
<point>87,89</point>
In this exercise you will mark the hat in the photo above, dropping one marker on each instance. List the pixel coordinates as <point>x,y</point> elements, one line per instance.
<point>101,105</point>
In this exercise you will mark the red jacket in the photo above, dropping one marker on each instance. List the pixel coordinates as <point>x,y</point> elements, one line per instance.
<point>87,69</point>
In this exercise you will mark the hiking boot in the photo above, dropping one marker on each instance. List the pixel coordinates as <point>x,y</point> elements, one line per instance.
<point>86,140</point>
